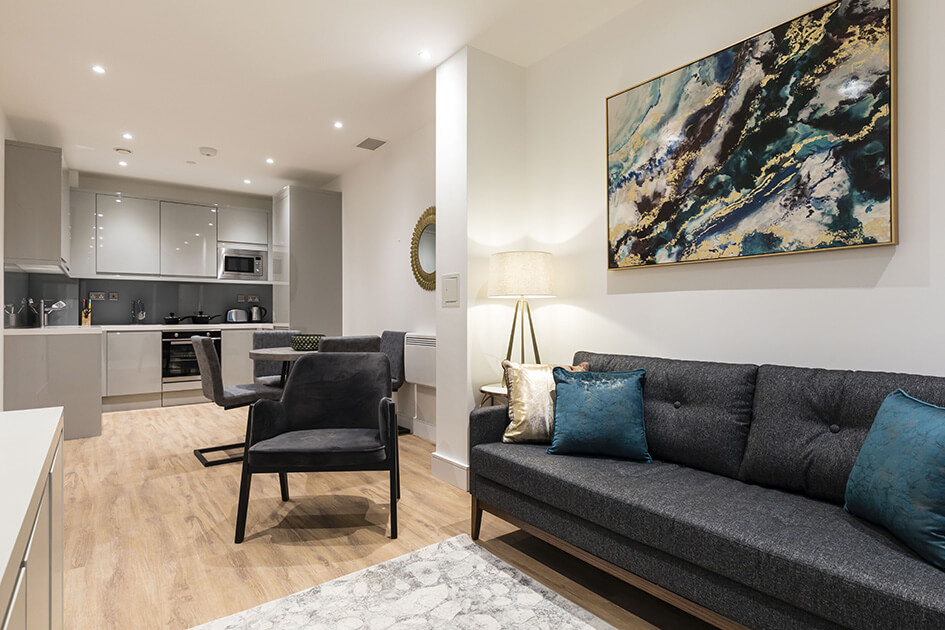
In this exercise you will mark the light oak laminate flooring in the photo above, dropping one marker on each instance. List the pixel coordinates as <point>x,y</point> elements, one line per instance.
<point>149,531</point>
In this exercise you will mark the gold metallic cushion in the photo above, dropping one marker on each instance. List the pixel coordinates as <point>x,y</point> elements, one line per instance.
<point>531,400</point>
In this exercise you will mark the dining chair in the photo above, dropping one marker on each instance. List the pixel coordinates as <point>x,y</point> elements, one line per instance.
<point>211,381</point>
<point>270,372</point>
<point>350,343</point>
<point>336,414</point>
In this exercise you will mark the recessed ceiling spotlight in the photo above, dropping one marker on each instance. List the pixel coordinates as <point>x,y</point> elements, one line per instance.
<point>127,136</point>
<point>339,124</point>
<point>247,181</point>
<point>270,161</point>
<point>97,69</point>
<point>425,55</point>
<point>123,163</point>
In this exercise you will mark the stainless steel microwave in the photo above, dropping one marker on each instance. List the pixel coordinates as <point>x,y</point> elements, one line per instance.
<point>241,262</point>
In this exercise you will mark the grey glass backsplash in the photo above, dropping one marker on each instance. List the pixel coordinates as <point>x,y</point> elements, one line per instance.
<point>160,298</point>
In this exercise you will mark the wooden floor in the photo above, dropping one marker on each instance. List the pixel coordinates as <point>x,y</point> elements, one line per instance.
<point>149,532</point>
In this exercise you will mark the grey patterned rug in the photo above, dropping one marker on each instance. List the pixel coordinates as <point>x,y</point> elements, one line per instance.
<point>452,584</point>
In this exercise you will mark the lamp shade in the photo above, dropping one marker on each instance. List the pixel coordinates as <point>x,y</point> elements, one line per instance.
<point>521,274</point>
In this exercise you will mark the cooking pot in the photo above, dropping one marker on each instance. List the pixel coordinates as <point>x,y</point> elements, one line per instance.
<point>257,313</point>
<point>237,315</point>
<point>172,319</point>
<point>201,318</point>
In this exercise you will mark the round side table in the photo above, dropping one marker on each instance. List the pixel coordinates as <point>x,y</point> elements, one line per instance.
<point>492,391</point>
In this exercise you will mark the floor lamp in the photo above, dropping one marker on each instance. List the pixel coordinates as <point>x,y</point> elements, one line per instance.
<point>521,275</point>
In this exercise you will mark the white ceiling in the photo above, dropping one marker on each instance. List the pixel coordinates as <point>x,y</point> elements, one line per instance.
<point>252,78</point>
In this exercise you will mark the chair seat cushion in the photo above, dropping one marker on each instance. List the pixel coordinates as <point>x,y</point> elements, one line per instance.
<point>318,448</point>
<point>811,554</point>
<point>269,381</point>
<point>247,394</point>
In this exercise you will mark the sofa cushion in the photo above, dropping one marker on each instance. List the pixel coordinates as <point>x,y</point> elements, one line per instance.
<point>898,480</point>
<point>697,413</point>
<point>600,413</point>
<point>809,424</point>
<point>810,554</point>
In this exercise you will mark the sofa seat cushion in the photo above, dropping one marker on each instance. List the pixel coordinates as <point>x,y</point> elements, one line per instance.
<point>808,553</point>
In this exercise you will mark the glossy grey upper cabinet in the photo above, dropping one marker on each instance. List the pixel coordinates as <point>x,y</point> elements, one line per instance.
<point>244,225</point>
<point>36,222</point>
<point>188,240</point>
<point>129,235</point>
<point>84,234</point>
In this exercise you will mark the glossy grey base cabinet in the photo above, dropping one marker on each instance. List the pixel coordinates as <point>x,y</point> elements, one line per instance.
<point>133,361</point>
<point>56,370</point>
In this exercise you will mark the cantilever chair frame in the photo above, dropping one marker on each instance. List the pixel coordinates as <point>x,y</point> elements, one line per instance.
<point>390,463</point>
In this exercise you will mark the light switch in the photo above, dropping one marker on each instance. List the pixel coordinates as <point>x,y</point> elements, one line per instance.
<point>450,292</point>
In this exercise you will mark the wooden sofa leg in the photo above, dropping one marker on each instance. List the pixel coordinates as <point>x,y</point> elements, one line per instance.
<point>476,518</point>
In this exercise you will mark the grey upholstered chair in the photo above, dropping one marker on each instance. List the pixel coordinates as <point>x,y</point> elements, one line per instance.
<point>392,344</point>
<point>211,380</point>
<point>351,343</point>
<point>270,372</point>
<point>336,414</point>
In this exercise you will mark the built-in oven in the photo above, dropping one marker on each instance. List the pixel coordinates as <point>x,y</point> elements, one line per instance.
<point>238,261</point>
<point>179,361</point>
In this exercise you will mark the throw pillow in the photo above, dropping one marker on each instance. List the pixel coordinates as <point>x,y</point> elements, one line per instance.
<point>531,401</point>
<point>898,479</point>
<point>600,413</point>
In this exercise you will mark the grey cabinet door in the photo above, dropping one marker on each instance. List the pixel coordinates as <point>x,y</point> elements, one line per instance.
<point>133,363</point>
<point>129,235</point>
<point>244,225</point>
<point>84,237</point>
<point>15,618</point>
<point>33,204</point>
<point>188,240</point>
<point>38,561</point>
<point>235,363</point>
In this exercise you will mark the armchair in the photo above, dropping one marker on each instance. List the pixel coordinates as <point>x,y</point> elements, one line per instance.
<point>336,414</point>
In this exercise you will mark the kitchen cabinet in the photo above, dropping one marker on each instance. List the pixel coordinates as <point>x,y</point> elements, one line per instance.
<point>36,209</point>
<point>56,366</point>
<point>188,240</point>
<point>82,259</point>
<point>235,363</point>
<point>129,235</point>
<point>133,363</point>
<point>31,522</point>
<point>243,225</point>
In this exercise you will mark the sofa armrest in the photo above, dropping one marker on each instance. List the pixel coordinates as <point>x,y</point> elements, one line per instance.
<point>487,424</point>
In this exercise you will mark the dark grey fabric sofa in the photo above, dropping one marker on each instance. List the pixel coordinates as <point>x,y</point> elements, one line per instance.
<point>741,513</point>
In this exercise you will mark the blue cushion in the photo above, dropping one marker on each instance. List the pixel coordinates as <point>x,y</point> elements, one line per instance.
<point>599,413</point>
<point>898,480</point>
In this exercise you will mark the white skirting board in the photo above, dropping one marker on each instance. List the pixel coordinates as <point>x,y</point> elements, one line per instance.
<point>450,471</point>
<point>417,426</point>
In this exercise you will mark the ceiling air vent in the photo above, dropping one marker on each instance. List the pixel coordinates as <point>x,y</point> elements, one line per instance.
<point>371,144</point>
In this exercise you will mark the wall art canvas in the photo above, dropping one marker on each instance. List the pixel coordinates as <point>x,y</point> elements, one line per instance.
<point>781,143</point>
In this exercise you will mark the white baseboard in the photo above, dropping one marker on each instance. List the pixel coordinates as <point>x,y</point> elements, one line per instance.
<point>418,427</point>
<point>450,471</point>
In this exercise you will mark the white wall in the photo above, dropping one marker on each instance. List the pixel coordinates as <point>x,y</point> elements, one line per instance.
<point>878,308</point>
<point>382,199</point>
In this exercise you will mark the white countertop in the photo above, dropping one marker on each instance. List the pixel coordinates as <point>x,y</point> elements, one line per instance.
<point>28,440</point>
<point>97,330</point>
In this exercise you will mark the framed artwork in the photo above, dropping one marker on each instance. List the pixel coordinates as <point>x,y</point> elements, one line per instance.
<point>782,143</point>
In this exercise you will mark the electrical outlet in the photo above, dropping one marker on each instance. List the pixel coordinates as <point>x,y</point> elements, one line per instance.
<point>252,298</point>
<point>113,296</point>
<point>96,295</point>
<point>241,298</point>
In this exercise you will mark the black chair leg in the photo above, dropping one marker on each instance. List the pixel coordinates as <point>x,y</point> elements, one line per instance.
<point>284,485</point>
<point>394,489</point>
<point>241,509</point>
<point>199,453</point>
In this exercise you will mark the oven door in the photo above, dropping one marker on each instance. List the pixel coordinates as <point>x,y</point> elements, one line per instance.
<point>179,362</point>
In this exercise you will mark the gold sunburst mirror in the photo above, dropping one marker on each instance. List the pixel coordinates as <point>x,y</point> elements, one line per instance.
<point>423,250</point>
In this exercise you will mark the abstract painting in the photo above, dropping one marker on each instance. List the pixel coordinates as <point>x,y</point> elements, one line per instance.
<point>781,143</point>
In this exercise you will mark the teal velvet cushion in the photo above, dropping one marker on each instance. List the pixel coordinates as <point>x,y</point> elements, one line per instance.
<point>599,413</point>
<point>898,480</point>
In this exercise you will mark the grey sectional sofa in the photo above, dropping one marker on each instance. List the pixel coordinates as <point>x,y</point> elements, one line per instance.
<point>740,518</point>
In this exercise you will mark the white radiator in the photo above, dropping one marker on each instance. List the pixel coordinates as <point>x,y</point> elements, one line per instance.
<point>420,359</point>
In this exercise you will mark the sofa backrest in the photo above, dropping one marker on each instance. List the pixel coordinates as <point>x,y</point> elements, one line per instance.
<point>808,425</point>
<point>695,413</point>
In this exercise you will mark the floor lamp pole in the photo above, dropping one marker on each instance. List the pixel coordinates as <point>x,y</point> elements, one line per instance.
<point>521,307</point>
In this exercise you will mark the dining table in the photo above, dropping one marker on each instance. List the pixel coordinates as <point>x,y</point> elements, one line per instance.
<point>285,354</point>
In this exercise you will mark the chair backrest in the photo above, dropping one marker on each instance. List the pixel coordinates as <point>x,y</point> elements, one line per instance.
<point>330,390</point>
<point>351,343</point>
<point>270,339</point>
<point>392,344</point>
<point>211,376</point>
